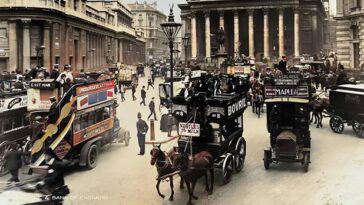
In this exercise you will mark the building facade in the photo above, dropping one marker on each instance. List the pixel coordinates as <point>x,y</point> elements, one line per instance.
<point>350,33</point>
<point>88,35</point>
<point>329,27</point>
<point>147,19</point>
<point>259,29</point>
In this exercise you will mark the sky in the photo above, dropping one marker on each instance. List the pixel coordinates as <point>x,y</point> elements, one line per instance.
<point>163,5</point>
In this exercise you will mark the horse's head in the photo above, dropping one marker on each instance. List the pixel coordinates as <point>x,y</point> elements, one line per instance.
<point>181,162</point>
<point>154,153</point>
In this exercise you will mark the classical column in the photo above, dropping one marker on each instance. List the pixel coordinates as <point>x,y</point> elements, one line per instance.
<point>314,33</point>
<point>251,33</point>
<point>47,44</point>
<point>66,45</point>
<point>266,34</point>
<point>221,20</point>
<point>207,35</point>
<point>281,32</point>
<point>121,51</point>
<point>236,33</point>
<point>193,37</point>
<point>13,52</point>
<point>296,33</point>
<point>26,43</point>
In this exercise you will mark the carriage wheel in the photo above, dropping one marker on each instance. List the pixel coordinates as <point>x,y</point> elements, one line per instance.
<point>5,147</point>
<point>336,124</point>
<point>358,128</point>
<point>239,157</point>
<point>306,161</point>
<point>266,160</point>
<point>227,168</point>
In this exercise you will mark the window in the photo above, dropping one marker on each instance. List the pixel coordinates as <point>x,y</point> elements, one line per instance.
<point>17,122</point>
<point>3,38</point>
<point>77,125</point>
<point>355,31</point>
<point>84,121</point>
<point>99,116</point>
<point>91,118</point>
<point>7,125</point>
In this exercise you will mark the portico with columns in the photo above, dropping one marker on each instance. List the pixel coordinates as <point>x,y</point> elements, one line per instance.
<point>261,31</point>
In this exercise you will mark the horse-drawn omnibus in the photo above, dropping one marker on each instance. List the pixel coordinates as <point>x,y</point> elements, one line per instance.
<point>85,121</point>
<point>346,106</point>
<point>213,124</point>
<point>14,123</point>
<point>288,115</point>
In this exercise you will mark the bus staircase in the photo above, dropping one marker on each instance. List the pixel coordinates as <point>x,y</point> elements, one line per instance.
<point>55,133</point>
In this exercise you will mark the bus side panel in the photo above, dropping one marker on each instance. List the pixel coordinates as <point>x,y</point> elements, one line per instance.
<point>93,131</point>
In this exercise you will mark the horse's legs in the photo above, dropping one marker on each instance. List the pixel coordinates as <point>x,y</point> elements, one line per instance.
<point>181,184</point>
<point>171,184</point>
<point>157,186</point>
<point>193,189</point>
<point>212,181</point>
<point>189,192</point>
<point>321,117</point>
<point>206,182</point>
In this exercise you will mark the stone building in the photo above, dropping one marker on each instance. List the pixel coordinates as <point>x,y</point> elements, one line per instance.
<point>329,27</point>
<point>260,29</point>
<point>350,33</point>
<point>147,19</point>
<point>88,35</point>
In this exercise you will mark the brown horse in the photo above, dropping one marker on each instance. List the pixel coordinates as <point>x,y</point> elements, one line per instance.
<point>191,171</point>
<point>318,105</point>
<point>163,163</point>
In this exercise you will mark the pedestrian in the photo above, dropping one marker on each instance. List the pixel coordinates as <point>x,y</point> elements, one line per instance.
<point>150,83</point>
<point>54,178</point>
<point>142,128</point>
<point>282,66</point>
<point>67,71</point>
<point>143,94</point>
<point>152,109</point>
<point>122,93</point>
<point>13,162</point>
<point>133,90</point>
<point>53,111</point>
<point>55,72</point>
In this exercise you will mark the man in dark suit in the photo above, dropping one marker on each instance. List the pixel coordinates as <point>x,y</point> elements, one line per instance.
<point>13,163</point>
<point>152,109</point>
<point>142,128</point>
<point>143,94</point>
<point>53,112</point>
<point>282,66</point>
<point>55,176</point>
<point>54,72</point>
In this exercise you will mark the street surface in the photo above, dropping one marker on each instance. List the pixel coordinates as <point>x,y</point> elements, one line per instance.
<point>124,178</point>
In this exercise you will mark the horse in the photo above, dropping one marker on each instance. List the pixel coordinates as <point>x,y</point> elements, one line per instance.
<point>318,105</point>
<point>257,102</point>
<point>163,163</point>
<point>191,171</point>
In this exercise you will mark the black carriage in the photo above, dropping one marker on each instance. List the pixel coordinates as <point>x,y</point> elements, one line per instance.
<point>346,107</point>
<point>14,123</point>
<point>288,118</point>
<point>216,124</point>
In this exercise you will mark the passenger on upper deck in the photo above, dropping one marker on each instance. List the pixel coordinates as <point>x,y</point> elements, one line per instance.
<point>67,72</point>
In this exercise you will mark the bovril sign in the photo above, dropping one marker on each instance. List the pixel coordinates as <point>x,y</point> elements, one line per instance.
<point>236,107</point>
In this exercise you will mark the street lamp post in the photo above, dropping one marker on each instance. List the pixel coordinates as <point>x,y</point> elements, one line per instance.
<point>39,50</point>
<point>171,30</point>
<point>186,41</point>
